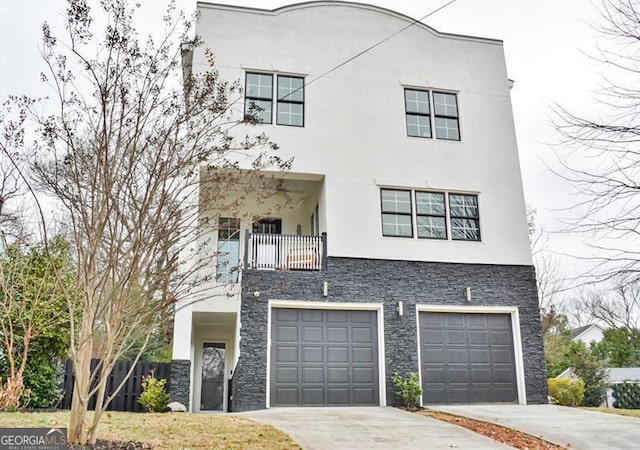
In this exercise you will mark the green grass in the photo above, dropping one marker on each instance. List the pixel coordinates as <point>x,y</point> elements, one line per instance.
<point>618,411</point>
<point>169,430</point>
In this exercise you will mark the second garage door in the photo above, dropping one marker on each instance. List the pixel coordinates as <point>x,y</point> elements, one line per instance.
<point>467,358</point>
<point>323,357</point>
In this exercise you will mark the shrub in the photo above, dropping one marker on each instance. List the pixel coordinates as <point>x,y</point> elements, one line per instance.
<point>585,365</point>
<point>409,390</point>
<point>154,397</point>
<point>626,395</point>
<point>42,378</point>
<point>566,391</point>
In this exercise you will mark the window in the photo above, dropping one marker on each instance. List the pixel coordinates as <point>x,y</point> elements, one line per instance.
<point>445,107</point>
<point>418,112</point>
<point>465,223</point>
<point>437,215</point>
<point>290,101</point>
<point>420,115</point>
<point>396,213</point>
<point>228,260</point>
<point>431,216</point>
<point>259,98</point>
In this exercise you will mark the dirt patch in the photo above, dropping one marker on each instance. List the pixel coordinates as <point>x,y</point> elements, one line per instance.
<point>498,433</point>
<point>102,444</point>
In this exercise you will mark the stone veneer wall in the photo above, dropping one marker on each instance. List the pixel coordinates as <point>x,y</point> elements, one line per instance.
<point>387,282</point>
<point>180,381</point>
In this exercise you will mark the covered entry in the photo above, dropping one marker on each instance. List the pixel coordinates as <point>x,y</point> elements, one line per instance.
<point>467,358</point>
<point>323,357</point>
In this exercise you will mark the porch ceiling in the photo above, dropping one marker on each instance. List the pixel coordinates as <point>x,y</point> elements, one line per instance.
<point>214,319</point>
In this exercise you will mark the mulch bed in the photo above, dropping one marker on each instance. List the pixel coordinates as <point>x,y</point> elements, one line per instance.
<point>508,436</point>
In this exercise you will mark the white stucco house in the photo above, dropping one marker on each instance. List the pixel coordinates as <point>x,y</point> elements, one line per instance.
<point>398,240</point>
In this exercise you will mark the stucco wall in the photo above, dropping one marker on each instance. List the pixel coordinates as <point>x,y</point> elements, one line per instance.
<point>355,130</point>
<point>387,282</point>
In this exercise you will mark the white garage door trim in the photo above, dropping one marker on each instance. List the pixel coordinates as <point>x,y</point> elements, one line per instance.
<point>515,326</point>
<point>293,304</point>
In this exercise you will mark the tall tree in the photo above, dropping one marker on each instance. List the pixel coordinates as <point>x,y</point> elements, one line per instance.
<point>134,146</point>
<point>600,154</point>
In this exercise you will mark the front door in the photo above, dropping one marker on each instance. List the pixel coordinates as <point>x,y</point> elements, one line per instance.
<point>212,376</point>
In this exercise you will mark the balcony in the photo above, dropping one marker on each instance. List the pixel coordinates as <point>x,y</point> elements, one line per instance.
<point>285,252</point>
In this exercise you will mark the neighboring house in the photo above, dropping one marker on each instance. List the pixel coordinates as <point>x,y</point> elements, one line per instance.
<point>403,244</point>
<point>587,334</point>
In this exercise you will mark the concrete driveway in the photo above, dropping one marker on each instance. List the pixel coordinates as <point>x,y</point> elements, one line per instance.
<point>569,427</point>
<point>367,428</point>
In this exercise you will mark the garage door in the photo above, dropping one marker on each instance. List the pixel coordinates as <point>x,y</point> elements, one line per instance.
<point>467,358</point>
<point>323,357</point>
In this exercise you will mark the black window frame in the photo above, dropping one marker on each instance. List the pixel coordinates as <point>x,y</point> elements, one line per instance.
<point>448,216</point>
<point>443,215</point>
<point>410,213</point>
<point>289,101</point>
<point>475,218</point>
<point>445,116</point>
<point>418,114</point>
<point>248,98</point>
<point>433,114</point>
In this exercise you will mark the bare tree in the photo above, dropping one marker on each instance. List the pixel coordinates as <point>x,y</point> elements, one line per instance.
<point>618,308</point>
<point>600,156</point>
<point>130,153</point>
<point>548,276</point>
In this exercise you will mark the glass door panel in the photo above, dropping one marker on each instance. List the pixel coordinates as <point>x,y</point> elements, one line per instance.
<point>212,385</point>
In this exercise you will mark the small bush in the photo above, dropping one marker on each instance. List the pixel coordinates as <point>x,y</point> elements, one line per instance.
<point>42,378</point>
<point>566,391</point>
<point>626,395</point>
<point>409,390</point>
<point>154,396</point>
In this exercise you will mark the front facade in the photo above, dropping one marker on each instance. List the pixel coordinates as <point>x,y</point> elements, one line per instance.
<point>398,240</point>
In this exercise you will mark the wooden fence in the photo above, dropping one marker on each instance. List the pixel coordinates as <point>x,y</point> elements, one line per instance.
<point>127,398</point>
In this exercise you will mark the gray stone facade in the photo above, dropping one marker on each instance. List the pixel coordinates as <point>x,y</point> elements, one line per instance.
<point>387,282</point>
<point>180,381</point>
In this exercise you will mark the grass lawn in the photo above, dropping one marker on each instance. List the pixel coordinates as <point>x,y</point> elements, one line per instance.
<point>618,411</point>
<point>169,430</point>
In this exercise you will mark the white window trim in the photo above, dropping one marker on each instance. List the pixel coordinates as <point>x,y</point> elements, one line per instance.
<point>515,328</point>
<point>296,304</point>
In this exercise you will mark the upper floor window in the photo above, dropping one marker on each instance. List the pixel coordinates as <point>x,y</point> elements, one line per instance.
<point>396,213</point>
<point>420,115</point>
<point>289,99</point>
<point>434,215</point>
<point>258,101</point>
<point>465,221</point>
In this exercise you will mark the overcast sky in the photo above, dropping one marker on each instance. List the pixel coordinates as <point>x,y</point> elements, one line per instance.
<point>545,43</point>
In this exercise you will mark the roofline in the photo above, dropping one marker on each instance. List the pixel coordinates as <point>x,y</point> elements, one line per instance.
<point>587,329</point>
<point>286,8</point>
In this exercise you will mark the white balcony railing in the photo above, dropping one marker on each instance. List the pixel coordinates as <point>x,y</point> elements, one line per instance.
<point>285,252</point>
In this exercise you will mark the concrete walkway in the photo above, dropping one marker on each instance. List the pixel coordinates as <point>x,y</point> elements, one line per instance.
<point>569,427</point>
<point>369,428</point>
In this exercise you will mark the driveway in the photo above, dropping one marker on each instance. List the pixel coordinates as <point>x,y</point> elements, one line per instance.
<point>367,428</point>
<point>569,427</point>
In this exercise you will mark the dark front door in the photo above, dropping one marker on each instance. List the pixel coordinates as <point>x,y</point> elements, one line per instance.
<point>324,357</point>
<point>467,358</point>
<point>212,385</point>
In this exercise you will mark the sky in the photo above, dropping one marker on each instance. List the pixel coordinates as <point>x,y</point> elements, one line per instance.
<point>546,43</point>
